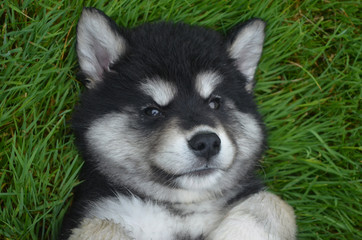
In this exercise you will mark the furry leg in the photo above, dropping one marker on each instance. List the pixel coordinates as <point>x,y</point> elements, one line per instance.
<point>95,229</point>
<point>262,216</point>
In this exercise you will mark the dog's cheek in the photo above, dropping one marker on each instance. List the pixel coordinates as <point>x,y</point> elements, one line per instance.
<point>110,138</point>
<point>245,130</point>
<point>249,135</point>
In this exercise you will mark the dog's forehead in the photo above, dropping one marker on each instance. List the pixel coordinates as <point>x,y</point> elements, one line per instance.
<point>164,92</point>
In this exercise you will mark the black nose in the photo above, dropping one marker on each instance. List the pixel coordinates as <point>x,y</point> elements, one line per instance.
<point>205,145</point>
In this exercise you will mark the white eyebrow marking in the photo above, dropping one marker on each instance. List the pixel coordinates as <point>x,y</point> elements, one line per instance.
<point>162,92</point>
<point>206,82</point>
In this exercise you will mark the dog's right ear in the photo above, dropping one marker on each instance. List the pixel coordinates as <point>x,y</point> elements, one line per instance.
<point>99,44</point>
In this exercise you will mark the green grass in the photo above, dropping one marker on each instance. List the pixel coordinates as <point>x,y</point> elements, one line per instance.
<point>309,90</point>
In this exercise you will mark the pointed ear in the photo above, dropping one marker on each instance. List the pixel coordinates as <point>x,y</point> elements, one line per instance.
<point>246,46</point>
<point>99,44</point>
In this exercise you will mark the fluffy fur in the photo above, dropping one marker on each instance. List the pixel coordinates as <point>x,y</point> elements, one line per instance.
<point>170,135</point>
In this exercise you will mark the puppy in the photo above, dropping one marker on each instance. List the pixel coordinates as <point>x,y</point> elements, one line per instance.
<point>170,135</point>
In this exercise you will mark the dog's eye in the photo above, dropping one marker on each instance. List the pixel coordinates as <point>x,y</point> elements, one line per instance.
<point>214,102</point>
<point>152,112</point>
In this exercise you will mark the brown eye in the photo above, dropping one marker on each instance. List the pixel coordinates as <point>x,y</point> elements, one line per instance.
<point>214,102</point>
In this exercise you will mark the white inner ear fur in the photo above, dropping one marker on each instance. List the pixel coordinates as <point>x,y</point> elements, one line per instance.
<point>159,90</point>
<point>206,82</point>
<point>98,45</point>
<point>246,49</point>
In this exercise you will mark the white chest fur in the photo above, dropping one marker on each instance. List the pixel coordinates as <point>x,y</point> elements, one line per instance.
<point>144,220</point>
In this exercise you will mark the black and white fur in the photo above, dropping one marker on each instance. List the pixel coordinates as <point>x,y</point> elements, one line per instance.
<point>170,135</point>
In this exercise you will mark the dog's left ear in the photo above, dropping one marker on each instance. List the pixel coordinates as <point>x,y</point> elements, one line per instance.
<point>246,46</point>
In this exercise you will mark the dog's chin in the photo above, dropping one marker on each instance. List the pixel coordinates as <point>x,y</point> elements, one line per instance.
<point>200,179</point>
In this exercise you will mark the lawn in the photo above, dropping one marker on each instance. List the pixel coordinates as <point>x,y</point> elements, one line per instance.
<point>308,88</point>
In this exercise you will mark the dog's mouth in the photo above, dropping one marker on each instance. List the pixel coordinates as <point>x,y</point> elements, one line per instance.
<point>200,172</point>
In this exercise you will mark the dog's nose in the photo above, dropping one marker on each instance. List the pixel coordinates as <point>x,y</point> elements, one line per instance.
<point>205,145</point>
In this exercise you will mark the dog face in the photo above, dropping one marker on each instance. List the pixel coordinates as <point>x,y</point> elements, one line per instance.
<point>169,108</point>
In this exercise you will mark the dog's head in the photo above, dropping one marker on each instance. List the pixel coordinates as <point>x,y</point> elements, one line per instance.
<point>169,108</point>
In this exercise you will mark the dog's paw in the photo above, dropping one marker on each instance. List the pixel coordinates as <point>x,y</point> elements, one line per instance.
<point>96,229</point>
<point>261,216</point>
